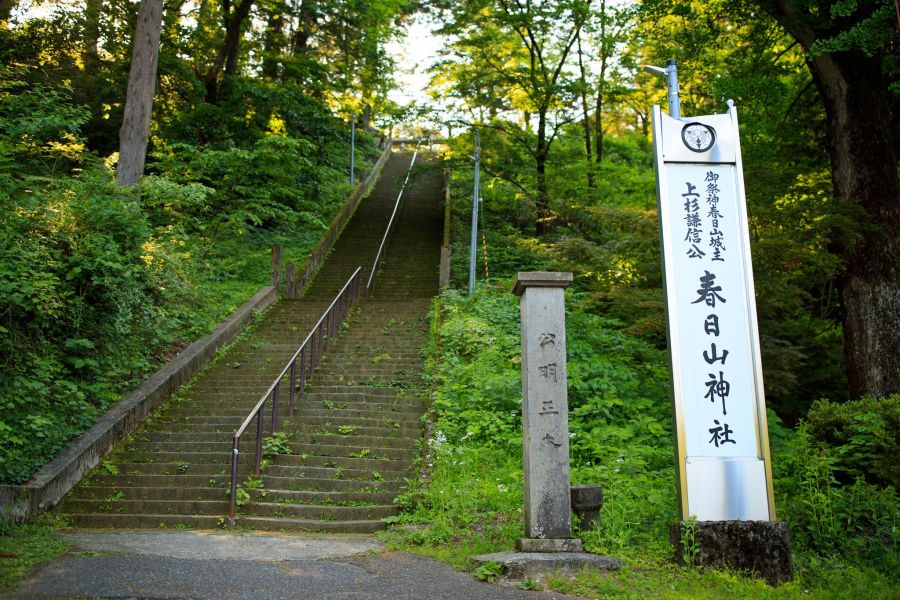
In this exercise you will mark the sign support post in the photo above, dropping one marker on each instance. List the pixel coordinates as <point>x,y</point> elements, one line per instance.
<point>476,198</point>
<point>352,149</point>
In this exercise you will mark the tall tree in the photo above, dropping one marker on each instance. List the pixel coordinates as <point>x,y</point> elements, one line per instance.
<point>850,47</point>
<point>135,131</point>
<point>274,41</point>
<point>527,46</point>
<point>91,52</point>
<point>585,114</point>
<point>234,15</point>
<point>608,29</point>
<point>6,8</point>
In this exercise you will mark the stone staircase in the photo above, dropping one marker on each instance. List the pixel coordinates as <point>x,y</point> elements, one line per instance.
<point>356,430</point>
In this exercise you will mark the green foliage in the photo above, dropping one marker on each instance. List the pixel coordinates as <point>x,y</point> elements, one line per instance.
<point>39,129</point>
<point>488,571</point>
<point>81,287</point>
<point>656,577</point>
<point>863,437</point>
<point>276,444</point>
<point>242,497</point>
<point>690,548</point>
<point>97,288</point>
<point>856,522</point>
<point>256,187</point>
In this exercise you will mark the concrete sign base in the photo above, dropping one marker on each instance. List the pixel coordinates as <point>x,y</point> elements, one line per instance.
<point>760,547</point>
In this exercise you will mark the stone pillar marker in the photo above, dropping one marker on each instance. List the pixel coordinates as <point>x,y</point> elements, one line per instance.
<point>548,546</point>
<point>545,420</point>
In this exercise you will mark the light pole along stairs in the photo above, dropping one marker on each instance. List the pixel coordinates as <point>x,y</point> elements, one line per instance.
<point>345,453</point>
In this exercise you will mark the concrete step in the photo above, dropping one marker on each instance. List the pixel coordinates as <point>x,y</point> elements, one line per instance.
<point>222,481</point>
<point>361,461</point>
<point>164,521</point>
<point>322,512</point>
<point>168,506</point>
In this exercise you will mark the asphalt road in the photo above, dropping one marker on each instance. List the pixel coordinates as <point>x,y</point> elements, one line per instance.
<point>221,566</point>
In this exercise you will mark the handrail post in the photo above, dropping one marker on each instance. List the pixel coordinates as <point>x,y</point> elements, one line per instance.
<point>339,307</point>
<point>259,436</point>
<point>302,370</point>
<point>292,384</point>
<point>312,354</point>
<point>329,321</point>
<point>345,305</point>
<point>275,409</point>
<point>234,475</point>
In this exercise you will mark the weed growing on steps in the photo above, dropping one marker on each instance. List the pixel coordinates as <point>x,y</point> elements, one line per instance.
<point>276,444</point>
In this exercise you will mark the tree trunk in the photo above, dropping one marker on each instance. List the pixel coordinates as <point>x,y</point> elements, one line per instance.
<point>233,34</point>
<point>601,86</point>
<point>6,8</point>
<point>585,119</point>
<point>864,173</point>
<point>139,99</point>
<point>91,54</point>
<point>598,109</point>
<point>274,41</point>
<point>541,153</point>
<point>306,24</point>
<point>598,125</point>
<point>228,53</point>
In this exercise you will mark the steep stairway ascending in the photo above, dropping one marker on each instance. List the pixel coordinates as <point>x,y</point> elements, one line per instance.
<point>359,422</point>
<point>355,431</point>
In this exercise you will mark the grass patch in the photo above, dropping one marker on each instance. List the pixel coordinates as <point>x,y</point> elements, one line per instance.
<point>659,578</point>
<point>23,547</point>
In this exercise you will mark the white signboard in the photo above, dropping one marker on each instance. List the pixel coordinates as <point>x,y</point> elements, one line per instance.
<point>722,450</point>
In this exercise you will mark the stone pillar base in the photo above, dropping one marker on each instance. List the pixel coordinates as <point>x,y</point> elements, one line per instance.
<point>548,545</point>
<point>762,548</point>
<point>518,566</point>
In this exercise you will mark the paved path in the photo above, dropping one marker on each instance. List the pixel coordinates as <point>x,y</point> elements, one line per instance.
<point>223,566</point>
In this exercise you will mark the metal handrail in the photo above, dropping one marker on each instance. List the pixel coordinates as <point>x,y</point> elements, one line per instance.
<point>316,343</point>
<point>390,225</point>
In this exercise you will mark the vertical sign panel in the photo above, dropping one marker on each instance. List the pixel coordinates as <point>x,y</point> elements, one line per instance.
<point>721,438</point>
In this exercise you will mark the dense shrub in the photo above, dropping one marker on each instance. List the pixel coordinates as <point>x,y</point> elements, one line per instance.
<point>82,284</point>
<point>855,521</point>
<point>862,435</point>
